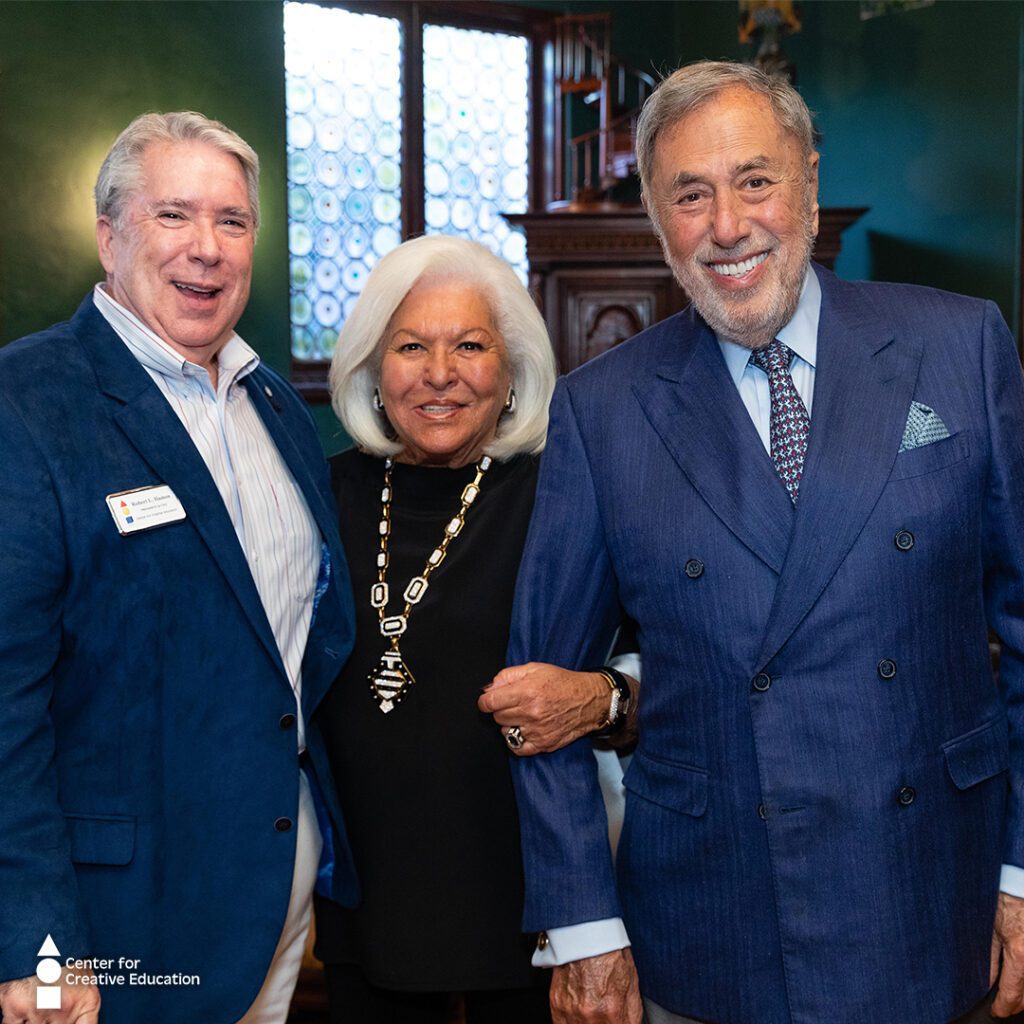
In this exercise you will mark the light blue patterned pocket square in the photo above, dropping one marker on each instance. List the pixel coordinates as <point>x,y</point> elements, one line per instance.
<point>924,426</point>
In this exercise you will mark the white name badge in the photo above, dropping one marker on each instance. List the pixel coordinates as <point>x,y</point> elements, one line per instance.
<point>143,508</point>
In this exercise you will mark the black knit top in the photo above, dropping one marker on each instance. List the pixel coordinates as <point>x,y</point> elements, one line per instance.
<point>426,789</point>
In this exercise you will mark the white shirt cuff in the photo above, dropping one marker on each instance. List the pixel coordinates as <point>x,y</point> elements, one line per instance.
<point>1012,880</point>
<point>579,941</point>
<point>628,664</point>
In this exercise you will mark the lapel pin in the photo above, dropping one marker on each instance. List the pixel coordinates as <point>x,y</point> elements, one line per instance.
<point>274,403</point>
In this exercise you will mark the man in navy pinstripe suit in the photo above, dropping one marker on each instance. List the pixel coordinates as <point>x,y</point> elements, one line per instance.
<point>809,496</point>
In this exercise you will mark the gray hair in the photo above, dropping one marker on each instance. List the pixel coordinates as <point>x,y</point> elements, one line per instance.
<point>121,173</point>
<point>694,84</point>
<point>355,368</point>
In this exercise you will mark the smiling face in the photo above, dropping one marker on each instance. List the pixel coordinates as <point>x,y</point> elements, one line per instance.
<point>444,376</point>
<point>181,257</point>
<point>735,202</point>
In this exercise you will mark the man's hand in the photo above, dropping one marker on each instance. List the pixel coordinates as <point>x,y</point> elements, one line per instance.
<point>552,706</point>
<point>80,1004</point>
<point>1008,939</point>
<point>599,990</point>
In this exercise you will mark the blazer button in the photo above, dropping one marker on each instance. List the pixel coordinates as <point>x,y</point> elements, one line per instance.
<point>287,721</point>
<point>542,940</point>
<point>905,796</point>
<point>283,824</point>
<point>762,681</point>
<point>694,568</point>
<point>887,668</point>
<point>904,540</point>
<point>762,812</point>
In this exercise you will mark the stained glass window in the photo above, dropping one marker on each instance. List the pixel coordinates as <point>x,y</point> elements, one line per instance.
<point>344,110</point>
<point>476,130</point>
<point>345,113</point>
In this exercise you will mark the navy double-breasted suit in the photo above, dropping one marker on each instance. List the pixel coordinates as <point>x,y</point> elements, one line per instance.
<point>148,756</point>
<point>827,778</point>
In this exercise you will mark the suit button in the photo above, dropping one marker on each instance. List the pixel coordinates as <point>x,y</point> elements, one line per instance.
<point>542,940</point>
<point>287,721</point>
<point>283,824</point>
<point>694,568</point>
<point>762,812</point>
<point>904,540</point>
<point>762,681</point>
<point>905,796</point>
<point>887,668</point>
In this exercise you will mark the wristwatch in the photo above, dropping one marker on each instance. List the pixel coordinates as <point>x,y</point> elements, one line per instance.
<point>618,708</point>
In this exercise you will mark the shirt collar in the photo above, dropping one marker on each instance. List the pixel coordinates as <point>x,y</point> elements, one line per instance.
<point>800,334</point>
<point>234,361</point>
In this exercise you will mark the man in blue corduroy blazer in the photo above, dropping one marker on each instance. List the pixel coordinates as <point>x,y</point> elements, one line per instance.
<point>174,603</point>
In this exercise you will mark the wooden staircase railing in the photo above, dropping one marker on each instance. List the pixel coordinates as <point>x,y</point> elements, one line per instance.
<point>590,164</point>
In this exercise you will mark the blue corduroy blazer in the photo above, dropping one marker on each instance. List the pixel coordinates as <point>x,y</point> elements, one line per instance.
<point>143,762</point>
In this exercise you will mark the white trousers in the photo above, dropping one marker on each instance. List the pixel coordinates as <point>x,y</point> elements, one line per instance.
<point>271,1005</point>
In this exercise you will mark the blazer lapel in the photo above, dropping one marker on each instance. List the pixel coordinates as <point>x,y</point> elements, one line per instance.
<point>157,434</point>
<point>694,406</point>
<point>864,382</point>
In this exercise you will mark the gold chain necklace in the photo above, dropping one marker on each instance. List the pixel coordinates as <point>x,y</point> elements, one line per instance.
<point>391,679</point>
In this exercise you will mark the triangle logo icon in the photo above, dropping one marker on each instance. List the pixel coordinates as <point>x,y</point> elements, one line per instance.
<point>48,948</point>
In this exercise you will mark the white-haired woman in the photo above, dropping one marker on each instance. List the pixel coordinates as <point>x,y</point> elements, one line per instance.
<point>442,378</point>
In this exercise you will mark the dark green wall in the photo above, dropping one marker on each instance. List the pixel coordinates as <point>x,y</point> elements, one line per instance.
<point>920,110</point>
<point>72,75</point>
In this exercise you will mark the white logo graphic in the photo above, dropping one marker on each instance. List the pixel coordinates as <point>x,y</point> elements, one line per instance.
<point>48,971</point>
<point>104,971</point>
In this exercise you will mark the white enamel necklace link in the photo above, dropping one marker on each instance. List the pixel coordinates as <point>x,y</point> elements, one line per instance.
<point>391,678</point>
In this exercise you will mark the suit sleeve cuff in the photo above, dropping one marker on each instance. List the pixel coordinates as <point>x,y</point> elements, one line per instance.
<point>1012,880</point>
<point>559,946</point>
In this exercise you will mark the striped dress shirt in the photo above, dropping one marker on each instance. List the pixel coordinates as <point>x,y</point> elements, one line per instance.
<point>275,528</point>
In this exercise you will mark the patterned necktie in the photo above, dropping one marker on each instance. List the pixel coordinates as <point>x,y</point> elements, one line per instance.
<point>789,420</point>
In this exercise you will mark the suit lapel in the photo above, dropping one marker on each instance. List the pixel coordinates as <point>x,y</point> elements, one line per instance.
<point>157,434</point>
<point>694,406</point>
<point>864,383</point>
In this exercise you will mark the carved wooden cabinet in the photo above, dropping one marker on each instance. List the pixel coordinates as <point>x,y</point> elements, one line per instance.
<point>599,277</point>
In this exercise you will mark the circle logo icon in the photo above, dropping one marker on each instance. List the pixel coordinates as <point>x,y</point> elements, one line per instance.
<point>48,971</point>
